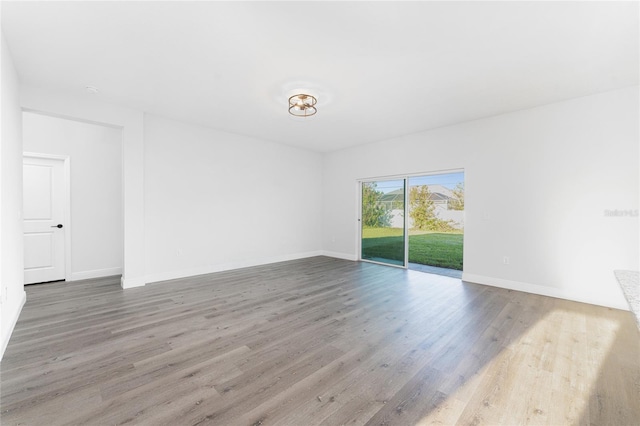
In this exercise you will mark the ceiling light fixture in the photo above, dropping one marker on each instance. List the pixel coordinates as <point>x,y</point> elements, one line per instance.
<point>302,105</point>
<point>92,90</point>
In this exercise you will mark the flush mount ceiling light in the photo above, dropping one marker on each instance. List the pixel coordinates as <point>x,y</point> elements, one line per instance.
<point>302,105</point>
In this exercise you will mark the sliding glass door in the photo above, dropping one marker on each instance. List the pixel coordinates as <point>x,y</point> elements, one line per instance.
<point>415,222</point>
<point>383,222</point>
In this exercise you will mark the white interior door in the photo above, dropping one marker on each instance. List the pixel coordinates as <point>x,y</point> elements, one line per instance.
<point>44,213</point>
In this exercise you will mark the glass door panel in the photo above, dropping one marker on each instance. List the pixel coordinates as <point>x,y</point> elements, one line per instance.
<point>383,233</point>
<point>436,223</point>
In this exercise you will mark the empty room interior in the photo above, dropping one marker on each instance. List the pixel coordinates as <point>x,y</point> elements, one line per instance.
<point>319,213</point>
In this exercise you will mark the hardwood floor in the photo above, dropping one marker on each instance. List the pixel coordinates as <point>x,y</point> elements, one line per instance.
<point>316,341</point>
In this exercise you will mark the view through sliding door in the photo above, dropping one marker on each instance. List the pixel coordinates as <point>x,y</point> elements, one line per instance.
<point>426,234</point>
<point>382,221</point>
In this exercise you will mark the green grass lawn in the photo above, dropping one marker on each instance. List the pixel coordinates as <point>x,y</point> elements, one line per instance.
<point>426,248</point>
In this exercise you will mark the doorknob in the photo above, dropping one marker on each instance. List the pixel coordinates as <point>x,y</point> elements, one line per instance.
<point>57,226</point>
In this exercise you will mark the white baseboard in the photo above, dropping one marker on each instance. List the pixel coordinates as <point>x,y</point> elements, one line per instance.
<point>96,273</point>
<point>210,269</point>
<point>541,290</point>
<point>345,256</point>
<point>14,320</point>
<point>132,282</point>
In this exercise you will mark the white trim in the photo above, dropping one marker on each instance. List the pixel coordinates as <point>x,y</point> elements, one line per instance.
<point>67,218</point>
<point>66,165</point>
<point>172,275</point>
<point>96,273</point>
<point>540,290</point>
<point>126,283</point>
<point>345,256</point>
<point>358,253</point>
<point>13,320</point>
<point>405,216</point>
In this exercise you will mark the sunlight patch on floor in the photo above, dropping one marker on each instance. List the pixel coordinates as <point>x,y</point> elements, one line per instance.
<point>551,385</point>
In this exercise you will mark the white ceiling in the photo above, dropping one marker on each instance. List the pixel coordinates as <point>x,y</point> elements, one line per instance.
<point>379,69</point>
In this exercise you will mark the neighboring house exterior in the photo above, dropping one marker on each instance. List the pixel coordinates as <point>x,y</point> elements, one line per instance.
<point>393,199</point>
<point>440,195</point>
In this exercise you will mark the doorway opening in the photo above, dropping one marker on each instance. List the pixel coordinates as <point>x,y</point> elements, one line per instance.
<point>72,172</point>
<point>414,222</point>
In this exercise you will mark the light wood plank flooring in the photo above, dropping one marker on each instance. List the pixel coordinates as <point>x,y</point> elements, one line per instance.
<point>316,341</point>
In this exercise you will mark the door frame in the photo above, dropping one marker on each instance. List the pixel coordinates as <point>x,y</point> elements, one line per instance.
<point>66,204</point>
<point>406,178</point>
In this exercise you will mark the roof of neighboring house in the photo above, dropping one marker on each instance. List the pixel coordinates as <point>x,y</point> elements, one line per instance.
<point>435,196</point>
<point>438,193</point>
<point>442,190</point>
<point>397,195</point>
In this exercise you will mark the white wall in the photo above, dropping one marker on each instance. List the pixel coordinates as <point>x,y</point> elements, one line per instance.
<point>95,154</point>
<point>12,295</point>
<point>537,185</point>
<point>216,201</point>
<point>91,109</point>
